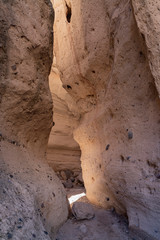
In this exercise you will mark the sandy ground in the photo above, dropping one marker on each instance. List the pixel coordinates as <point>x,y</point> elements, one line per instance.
<point>106,225</point>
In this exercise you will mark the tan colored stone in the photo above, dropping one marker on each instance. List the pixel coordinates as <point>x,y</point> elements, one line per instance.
<point>112,70</point>
<point>29,189</point>
<point>63,151</point>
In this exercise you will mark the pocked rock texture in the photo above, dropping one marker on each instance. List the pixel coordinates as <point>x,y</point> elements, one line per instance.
<point>110,60</point>
<point>32,200</point>
<point>63,151</point>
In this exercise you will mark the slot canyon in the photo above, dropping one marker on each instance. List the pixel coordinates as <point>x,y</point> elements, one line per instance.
<point>79,116</point>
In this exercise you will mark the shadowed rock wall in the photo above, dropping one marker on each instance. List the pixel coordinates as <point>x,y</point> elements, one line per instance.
<point>32,200</point>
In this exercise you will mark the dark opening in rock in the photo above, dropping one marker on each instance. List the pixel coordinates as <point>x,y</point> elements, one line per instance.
<point>68,13</point>
<point>69,87</point>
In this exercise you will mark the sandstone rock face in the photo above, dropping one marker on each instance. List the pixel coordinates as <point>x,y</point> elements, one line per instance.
<point>147,17</point>
<point>110,61</point>
<point>63,151</point>
<point>32,200</point>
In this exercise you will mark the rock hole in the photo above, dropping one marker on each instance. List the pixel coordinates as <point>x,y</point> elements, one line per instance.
<point>107,147</point>
<point>68,13</point>
<point>69,87</point>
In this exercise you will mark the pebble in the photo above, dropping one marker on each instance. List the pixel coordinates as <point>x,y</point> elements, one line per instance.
<point>130,135</point>
<point>9,235</point>
<point>68,184</point>
<point>82,211</point>
<point>63,175</point>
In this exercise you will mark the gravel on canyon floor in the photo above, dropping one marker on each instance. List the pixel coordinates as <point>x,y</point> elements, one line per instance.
<point>105,225</point>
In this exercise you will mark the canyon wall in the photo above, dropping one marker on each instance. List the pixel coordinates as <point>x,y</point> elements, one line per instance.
<point>32,200</point>
<point>63,151</point>
<point>109,64</point>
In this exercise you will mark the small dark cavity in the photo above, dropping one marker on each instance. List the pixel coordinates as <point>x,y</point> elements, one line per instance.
<point>93,179</point>
<point>93,71</point>
<point>76,83</point>
<point>90,95</point>
<point>45,232</point>
<point>19,227</point>
<point>69,87</point>
<point>128,157</point>
<point>34,235</point>
<point>107,199</point>
<point>122,158</point>
<point>107,147</point>
<point>151,164</point>
<point>11,176</point>
<point>100,165</point>
<point>141,53</point>
<point>143,36</point>
<point>53,123</point>
<point>68,13</point>
<point>53,194</point>
<point>42,205</point>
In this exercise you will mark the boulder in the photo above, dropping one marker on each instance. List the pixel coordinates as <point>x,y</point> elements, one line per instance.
<point>82,211</point>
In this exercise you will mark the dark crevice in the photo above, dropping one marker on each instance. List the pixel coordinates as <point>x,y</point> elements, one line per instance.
<point>68,13</point>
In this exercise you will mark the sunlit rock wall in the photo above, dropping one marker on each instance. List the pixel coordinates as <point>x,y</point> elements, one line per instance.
<point>110,60</point>
<point>63,151</point>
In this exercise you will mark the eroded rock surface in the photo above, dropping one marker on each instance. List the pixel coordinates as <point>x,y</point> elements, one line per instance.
<point>32,200</point>
<point>63,151</point>
<point>110,60</point>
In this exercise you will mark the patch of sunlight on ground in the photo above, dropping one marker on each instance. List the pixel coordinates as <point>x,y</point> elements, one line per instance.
<point>74,198</point>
